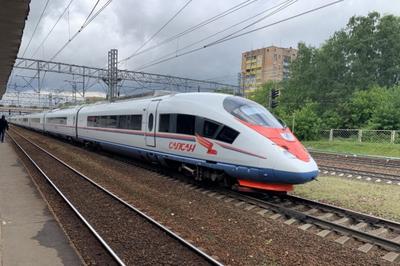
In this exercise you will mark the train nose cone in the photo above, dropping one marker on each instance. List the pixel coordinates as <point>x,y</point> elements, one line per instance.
<point>295,177</point>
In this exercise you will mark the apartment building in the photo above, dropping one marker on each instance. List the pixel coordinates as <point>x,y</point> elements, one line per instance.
<point>265,64</point>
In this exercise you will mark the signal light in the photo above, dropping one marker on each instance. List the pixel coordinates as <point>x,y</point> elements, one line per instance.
<point>274,104</point>
<point>273,100</point>
<point>275,93</point>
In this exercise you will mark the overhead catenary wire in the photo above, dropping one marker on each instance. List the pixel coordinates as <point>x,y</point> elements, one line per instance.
<point>87,21</point>
<point>227,38</point>
<point>36,27</point>
<point>224,39</point>
<point>195,27</point>
<point>276,9</point>
<point>91,12</point>
<point>162,27</point>
<point>52,28</point>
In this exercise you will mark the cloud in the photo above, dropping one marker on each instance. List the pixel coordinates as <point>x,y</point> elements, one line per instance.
<point>126,24</point>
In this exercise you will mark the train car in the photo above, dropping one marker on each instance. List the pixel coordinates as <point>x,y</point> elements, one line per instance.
<point>23,120</point>
<point>20,120</point>
<point>206,135</point>
<point>61,122</point>
<point>36,121</point>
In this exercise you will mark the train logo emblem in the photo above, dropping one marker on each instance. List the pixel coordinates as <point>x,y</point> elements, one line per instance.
<point>206,144</point>
<point>179,146</point>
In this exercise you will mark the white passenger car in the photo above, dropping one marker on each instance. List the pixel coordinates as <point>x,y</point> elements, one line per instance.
<point>209,135</point>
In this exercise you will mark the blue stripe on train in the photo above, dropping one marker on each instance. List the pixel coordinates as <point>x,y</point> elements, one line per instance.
<point>266,175</point>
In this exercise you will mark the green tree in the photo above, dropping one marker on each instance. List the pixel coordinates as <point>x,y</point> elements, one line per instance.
<point>387,114</point>
<point>331,119</point>
<point>261,94</point>
<point>366,53</point>
<point>307,122</point>
<point>359,109</point>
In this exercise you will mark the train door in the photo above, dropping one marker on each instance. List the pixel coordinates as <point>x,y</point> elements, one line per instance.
<point>151,119</point>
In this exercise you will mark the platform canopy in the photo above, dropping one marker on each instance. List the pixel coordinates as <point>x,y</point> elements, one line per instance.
<point>13,14</point>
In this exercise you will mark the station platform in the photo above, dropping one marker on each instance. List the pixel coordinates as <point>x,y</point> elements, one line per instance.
<point>29,234</point>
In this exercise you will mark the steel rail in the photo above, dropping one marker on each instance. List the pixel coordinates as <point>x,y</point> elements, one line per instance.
<point>356,160</point>
<point>340,210</point>
<point>355,155</point>
<point>142,214</point>
<point>391,177</point>
<point>88,225</point>
<point>308,218</point>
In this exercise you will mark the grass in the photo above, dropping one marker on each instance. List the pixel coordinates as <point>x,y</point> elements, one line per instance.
<point>381,149</point>
<point>371,198</point>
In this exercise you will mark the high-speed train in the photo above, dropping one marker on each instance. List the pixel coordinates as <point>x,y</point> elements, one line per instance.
<point>212,136</point>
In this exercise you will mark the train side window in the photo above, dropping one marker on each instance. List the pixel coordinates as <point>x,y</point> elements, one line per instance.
<point>91,121</point>
<point>112,121</point>
<point>185,124</point>
<point>136,122</point>
<point>123,121</point>
<point>102,121</point>
<point>227,134</point>
<point>164,123</point>
<point>209,129</point>
<point>55,120</point>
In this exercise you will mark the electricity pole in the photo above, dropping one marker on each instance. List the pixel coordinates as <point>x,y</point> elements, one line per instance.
<point>112,74</point>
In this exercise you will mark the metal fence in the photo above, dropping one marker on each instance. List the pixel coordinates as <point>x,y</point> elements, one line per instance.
<point>361,135</point>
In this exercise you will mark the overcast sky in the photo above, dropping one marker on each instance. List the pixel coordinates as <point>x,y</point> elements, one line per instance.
<point>126,24</point>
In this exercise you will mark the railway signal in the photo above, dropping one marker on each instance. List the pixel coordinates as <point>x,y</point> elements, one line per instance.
<point>274,98</point>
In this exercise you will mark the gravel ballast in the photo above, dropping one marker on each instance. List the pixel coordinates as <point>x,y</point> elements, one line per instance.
<point>134,239</point>
<point>236,236</point>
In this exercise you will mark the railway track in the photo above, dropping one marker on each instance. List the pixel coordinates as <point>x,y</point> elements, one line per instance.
<point>360,174</point>
<point>129,235</point>
<point>342,225</point>
<point>391,162</point>
<point>374,169</point>
<point>368,233</point>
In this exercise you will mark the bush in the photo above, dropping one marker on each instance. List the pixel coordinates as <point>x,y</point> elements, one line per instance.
<point>307,122</point>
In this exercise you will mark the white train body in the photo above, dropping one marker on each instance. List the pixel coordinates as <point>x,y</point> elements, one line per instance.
<point>206,133</point>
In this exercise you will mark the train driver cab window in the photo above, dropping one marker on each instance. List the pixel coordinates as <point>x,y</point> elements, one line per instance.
<point>227,134</point>
<point>209,129</point>
<point>250,112</point>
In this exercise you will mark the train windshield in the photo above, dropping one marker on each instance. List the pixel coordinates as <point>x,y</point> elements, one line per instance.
<point>250,112</point>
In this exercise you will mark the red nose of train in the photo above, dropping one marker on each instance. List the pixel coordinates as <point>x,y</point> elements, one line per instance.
<point>284,138</point>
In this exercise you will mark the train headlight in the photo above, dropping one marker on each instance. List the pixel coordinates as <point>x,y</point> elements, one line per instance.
<point>288,136</point>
